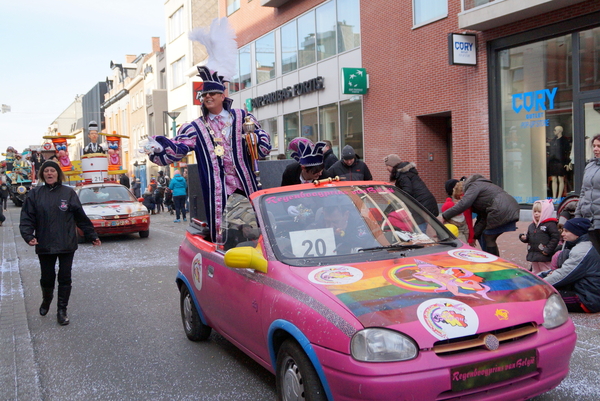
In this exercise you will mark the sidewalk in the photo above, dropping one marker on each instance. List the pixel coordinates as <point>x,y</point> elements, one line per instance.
<point>18,370</point>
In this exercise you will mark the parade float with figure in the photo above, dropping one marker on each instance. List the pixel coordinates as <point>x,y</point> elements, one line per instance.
<point>17,174</point>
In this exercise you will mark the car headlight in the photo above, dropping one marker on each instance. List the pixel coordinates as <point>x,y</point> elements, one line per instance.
<point>382,345</point>
<point>555,312</point>
<point>139,213</point>
<point>94,217</point>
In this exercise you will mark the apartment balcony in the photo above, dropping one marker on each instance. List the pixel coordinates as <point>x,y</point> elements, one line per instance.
<point>481,15</point>
<point>273,3</point>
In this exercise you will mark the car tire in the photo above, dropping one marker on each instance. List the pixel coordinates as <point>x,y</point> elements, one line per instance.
<point>296,377</point>
<point>144,234</point>
<point>194,329</point>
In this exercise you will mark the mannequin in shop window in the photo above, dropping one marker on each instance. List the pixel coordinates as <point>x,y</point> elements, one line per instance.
<point>558,155</point>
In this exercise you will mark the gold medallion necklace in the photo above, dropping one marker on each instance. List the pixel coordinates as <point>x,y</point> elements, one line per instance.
<point>218,148</point>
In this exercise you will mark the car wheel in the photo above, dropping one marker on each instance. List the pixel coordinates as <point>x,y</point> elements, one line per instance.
<point>194,329</point>
<point>296,377</point>
<point>144,234</point>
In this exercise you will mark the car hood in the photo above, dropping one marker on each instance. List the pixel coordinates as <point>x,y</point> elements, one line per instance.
<point>111,209</point>
<point>456,289</point>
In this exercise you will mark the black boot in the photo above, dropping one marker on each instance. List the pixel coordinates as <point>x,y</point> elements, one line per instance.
<point>47,295</point>
<point>64,292</point>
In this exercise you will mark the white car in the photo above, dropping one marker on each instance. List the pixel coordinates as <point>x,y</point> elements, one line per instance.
<point>114,210</point>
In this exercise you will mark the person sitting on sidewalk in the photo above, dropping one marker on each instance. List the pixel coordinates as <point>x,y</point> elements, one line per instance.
<point>578,277</point>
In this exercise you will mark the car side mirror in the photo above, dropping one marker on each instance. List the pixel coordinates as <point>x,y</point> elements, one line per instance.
<point>140,199</point>
<point>246,257</point>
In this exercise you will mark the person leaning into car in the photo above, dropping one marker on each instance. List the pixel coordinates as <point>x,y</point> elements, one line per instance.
<point>50,216</point>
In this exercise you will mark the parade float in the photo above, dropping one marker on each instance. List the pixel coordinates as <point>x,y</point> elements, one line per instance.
<point>113,141</point>
<point>17,170</point>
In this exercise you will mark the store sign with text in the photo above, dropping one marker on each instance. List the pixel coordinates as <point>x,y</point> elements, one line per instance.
<point>354,81</point>
<point>301,88</point>
<point>197,91</point>
<point>462,49</point>
<point>533,106</point>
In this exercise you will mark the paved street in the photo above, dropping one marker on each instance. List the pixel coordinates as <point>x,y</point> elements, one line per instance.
<point>125,340</point>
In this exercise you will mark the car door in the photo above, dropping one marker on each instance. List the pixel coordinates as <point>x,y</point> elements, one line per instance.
<point>235,295</point>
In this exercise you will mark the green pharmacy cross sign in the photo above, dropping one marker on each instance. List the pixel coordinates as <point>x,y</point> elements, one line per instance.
<point>354,81</point>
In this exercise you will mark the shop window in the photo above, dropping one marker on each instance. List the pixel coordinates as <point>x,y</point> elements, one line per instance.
<point>289,47</point>
<point>426,11</point>
<point>290,128</point>
<point>351,125</point>
<point>329,127</point>
<point>234,84</point>
<point>270,126</point>
<point>589,74</point>
<point>309,124</point>
<point>245,68</point>
<point>326,40</point>
<point>537,120</point>
<point>516,72</point>
<point>348,24</point>
<point>232,6</point>
<point>265,58</point>
<point>306,39</point>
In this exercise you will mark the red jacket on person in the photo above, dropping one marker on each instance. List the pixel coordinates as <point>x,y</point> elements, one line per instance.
<point>468,217</point>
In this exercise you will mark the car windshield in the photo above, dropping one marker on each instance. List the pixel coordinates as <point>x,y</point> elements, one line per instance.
<point>108,194</point>
<point>338,221</point>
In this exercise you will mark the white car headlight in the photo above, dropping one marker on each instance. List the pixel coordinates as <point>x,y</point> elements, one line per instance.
<point>382,345</point>
<point>139,213</point>
<point>94,217</point>
<point>555,312</point>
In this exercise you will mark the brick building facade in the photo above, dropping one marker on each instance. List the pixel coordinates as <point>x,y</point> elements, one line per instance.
<point>445,118</point>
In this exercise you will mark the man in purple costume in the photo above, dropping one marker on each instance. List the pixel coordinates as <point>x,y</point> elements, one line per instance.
<point>218,140</point>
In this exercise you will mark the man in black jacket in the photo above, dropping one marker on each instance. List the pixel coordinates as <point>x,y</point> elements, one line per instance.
<point>329,158</point>
<point>124,180</point>
<point>49,220</point>
<point>350,167</point>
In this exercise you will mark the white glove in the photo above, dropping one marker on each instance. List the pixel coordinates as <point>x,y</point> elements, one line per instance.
<point>150,146</point>
<point>293,211</point>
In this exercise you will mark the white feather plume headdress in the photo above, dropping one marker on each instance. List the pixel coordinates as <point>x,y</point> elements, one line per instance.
<point>219,40</point>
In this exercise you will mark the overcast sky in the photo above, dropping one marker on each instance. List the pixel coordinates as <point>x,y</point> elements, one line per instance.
<point>53,50</point>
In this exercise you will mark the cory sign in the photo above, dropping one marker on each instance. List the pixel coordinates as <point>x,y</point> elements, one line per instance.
<point>534,103</point>
<point>462,49</point>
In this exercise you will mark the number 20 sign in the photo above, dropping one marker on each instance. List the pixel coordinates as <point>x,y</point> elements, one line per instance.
<point>311,243</point>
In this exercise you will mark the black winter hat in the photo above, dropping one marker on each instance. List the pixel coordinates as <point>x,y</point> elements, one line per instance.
<point>578,226</point>
<point>54,165</point>
<point>449,186</point>
<point>348,153</point>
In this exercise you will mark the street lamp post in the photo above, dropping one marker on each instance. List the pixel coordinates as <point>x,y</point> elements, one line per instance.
<point>174,115</point>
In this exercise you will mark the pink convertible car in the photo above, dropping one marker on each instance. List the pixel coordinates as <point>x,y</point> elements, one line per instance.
<point>352,291</point>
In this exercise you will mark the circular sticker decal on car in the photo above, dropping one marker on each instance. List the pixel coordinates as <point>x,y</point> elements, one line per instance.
<point>473,255</point>
<point>447,318</point>
<point>197,271</point>
<point>335,275</point>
